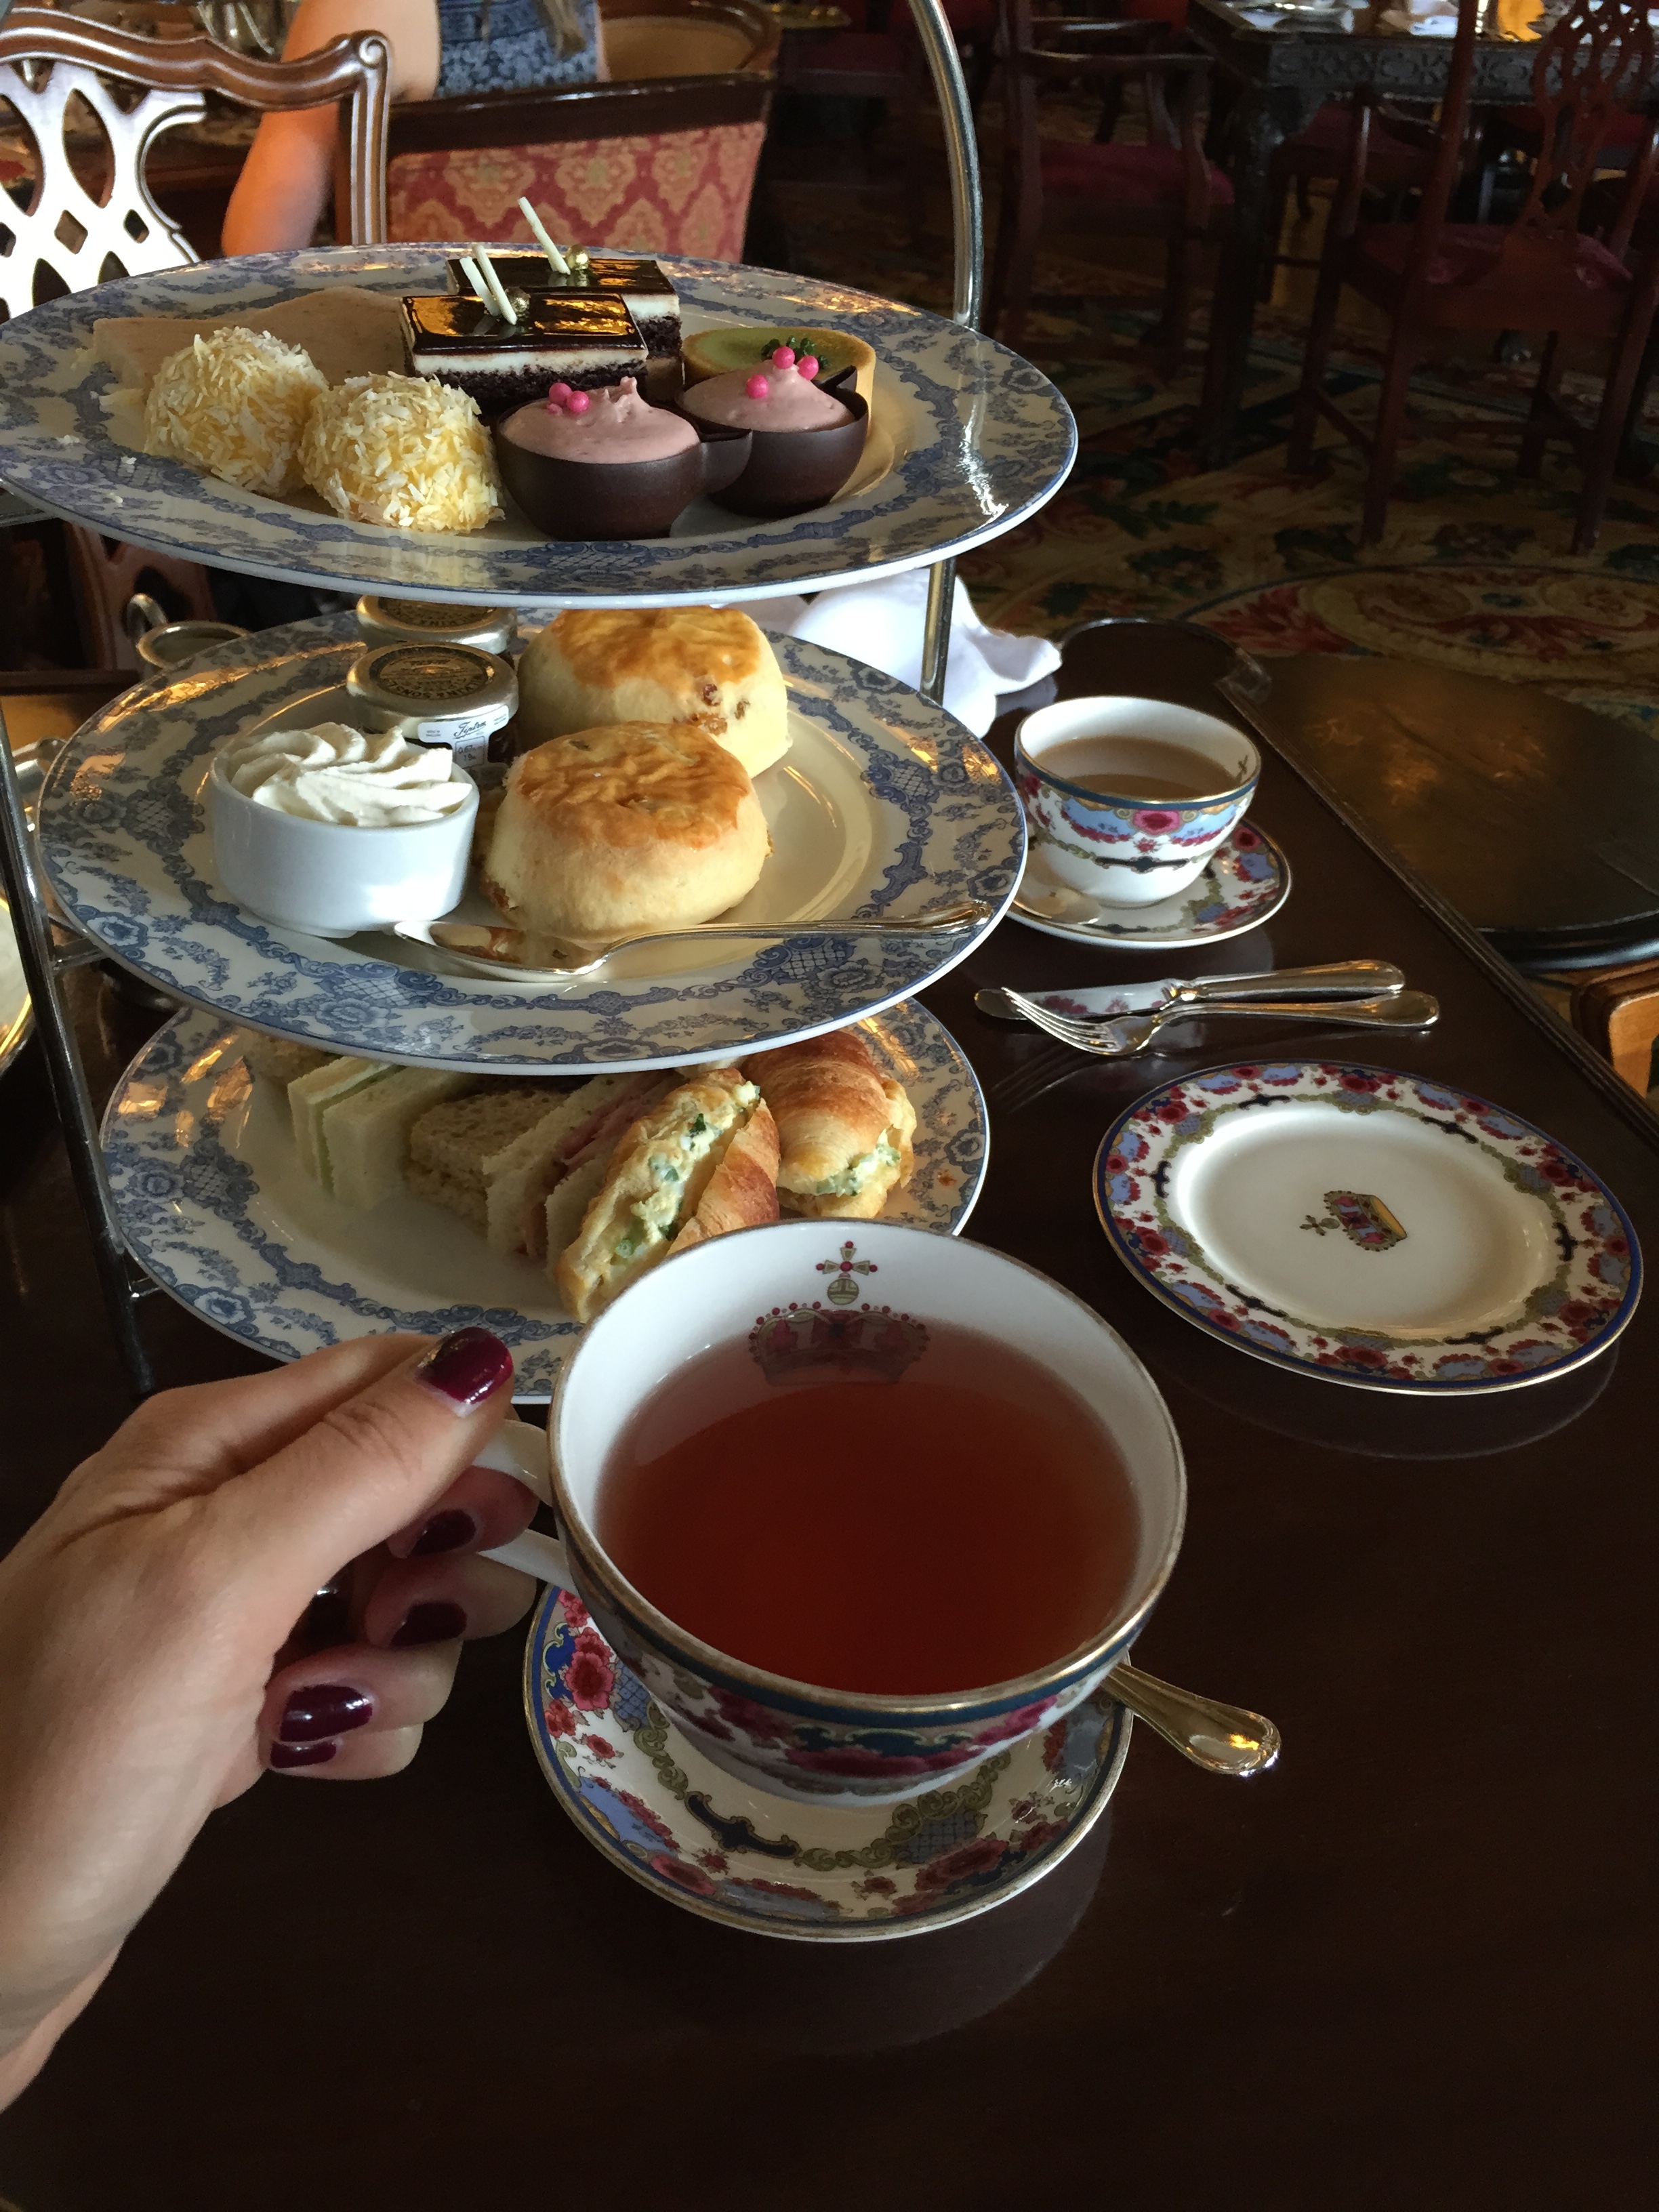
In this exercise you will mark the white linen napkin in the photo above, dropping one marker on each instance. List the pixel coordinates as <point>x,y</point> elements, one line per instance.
<point>881,624</point>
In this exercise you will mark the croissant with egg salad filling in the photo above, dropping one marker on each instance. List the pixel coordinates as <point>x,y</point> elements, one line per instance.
<point>702,1161</point>
<point>844,1129</point>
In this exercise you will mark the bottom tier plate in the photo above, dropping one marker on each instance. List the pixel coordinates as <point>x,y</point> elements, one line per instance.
<point>214,1204</point>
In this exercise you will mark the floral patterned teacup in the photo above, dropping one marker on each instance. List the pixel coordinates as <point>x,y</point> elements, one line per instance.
<point>1129,847</point>
<point>806,1292</point>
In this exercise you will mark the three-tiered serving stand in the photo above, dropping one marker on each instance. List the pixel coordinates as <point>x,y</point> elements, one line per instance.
<point>49,950</point>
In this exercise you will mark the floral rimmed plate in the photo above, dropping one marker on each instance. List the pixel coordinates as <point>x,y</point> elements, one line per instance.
<point>214,1206</point>
<point>966,440</point>
<point>687,1829</point>
<point>1368,1226</point>
<point>883,806</point>
<point>1246,881</point>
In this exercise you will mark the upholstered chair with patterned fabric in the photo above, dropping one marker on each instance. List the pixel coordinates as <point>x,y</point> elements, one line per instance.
<point>657,165</point>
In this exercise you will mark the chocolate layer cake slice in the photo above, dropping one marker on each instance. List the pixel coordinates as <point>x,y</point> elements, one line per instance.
<point>639,285</point>
<point>584,340</point>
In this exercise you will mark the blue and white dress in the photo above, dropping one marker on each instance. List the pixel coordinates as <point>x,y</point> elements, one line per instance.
<point>514,45</point>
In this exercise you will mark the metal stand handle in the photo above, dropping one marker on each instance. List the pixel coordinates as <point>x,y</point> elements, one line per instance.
<point>43,963</point>
<point>968,225</point>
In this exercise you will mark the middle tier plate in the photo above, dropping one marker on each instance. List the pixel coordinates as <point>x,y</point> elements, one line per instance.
<point>883,805</point>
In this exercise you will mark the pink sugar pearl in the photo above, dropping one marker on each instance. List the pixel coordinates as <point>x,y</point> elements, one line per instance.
<point>758,388</point>
<point>579,402</point>
<point>808,365</point>
<point>559,392</point>
<point>784,356</point>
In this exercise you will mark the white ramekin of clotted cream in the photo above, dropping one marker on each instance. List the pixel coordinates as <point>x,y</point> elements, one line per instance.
<point>329,830</point>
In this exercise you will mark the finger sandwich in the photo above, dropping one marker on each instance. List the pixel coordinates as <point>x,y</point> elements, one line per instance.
<point>454,1146</point>
<point>659,1177</point>
<point>526,1187</point>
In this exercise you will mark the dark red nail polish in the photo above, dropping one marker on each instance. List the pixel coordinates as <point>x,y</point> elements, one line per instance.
<point>444,1532</point>
<point>434,1621</point>
<point>324,1709</point>
<point>466,1367</point>
<point>301,1754</point>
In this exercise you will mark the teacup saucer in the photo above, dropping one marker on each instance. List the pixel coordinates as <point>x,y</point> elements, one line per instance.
<point>1246,879</point>
<point>644,1796</point>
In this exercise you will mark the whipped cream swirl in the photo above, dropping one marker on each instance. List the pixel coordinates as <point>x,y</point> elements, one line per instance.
<point>367,780</point>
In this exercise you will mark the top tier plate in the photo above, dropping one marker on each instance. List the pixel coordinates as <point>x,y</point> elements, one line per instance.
<point>966,440</point>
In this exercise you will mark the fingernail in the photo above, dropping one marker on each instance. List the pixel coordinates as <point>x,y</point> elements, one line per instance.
<point>435,1621</point>
<point>301,1754</point>
<point>324,1709</point>
<point>466,1367</point>
<point>444,1532</point>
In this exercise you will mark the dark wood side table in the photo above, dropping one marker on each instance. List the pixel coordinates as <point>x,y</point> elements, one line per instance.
<point>1278,78</point>
<point>1411,1967</point>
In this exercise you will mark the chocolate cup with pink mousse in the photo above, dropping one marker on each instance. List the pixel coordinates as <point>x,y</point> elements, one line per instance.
<point>619,499</point>
<point>791,470</point>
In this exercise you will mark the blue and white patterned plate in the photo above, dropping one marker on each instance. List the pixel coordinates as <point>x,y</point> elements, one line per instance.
<point>214,1206</point>
<point>643,1794</point>
<point>966,440</point>
<point>883,805</point>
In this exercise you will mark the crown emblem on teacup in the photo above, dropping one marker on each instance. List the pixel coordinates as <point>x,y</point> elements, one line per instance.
<point>792,1341</point>
<point>842,1291</point>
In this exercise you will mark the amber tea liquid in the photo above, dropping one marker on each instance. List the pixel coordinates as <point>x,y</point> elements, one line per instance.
<point>964,1524</point>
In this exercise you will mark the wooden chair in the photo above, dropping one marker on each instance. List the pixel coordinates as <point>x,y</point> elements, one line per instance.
<point>695,38</point>
<point>1618,1013</point>
<point>1539,273</point>
<point>661,165</point>
<point>1399,157</point>
<point>65,231</point>
<point>1167,188</point>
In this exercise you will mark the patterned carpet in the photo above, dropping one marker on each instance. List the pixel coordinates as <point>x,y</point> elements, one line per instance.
<point>1475,572</point>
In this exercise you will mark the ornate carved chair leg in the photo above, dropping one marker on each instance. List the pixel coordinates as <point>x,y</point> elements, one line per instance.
<point>1322,330</point>
<point>1273,235</point>
<point>1391,421</point>
<point>1028,227</point>
<point>1610,426</point>
<point>1545,399</point>
<point>1178,305</point>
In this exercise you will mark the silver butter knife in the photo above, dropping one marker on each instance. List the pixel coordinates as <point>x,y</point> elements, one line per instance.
<point>1342,979</point>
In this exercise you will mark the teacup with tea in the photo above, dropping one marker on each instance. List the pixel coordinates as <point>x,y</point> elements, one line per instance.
<point>859,1504</point>
<point>1126,798</point>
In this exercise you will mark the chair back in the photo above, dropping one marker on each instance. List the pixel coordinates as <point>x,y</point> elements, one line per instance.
<point>658,165</point>
<point>1593,63</point>
<point>688,37</point>
<point>80,237</point>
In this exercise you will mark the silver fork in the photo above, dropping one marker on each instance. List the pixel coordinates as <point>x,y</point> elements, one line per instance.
<point>1132,1033</point>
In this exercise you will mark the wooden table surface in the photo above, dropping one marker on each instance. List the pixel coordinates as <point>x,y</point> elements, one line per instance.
<point>1411,1967</point>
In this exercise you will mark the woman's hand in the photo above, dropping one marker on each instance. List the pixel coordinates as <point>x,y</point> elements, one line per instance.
<point>157,1627</point>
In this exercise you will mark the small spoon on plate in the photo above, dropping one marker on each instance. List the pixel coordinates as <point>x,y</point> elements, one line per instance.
<point>1221,1739</point>
<point>493,948</point>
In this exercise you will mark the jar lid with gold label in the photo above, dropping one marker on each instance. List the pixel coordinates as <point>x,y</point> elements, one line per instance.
<point>435,622</point>
<point>436,695</point>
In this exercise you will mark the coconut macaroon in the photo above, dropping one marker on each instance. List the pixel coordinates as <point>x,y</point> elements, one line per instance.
<point>635,827</point>
<point>405,451</point>
<point>236,402</point>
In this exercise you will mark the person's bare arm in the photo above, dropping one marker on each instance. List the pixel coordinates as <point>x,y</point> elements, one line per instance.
<point>285,182</point>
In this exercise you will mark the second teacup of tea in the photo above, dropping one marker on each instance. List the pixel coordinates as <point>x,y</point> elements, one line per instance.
<point>1126,798</point>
